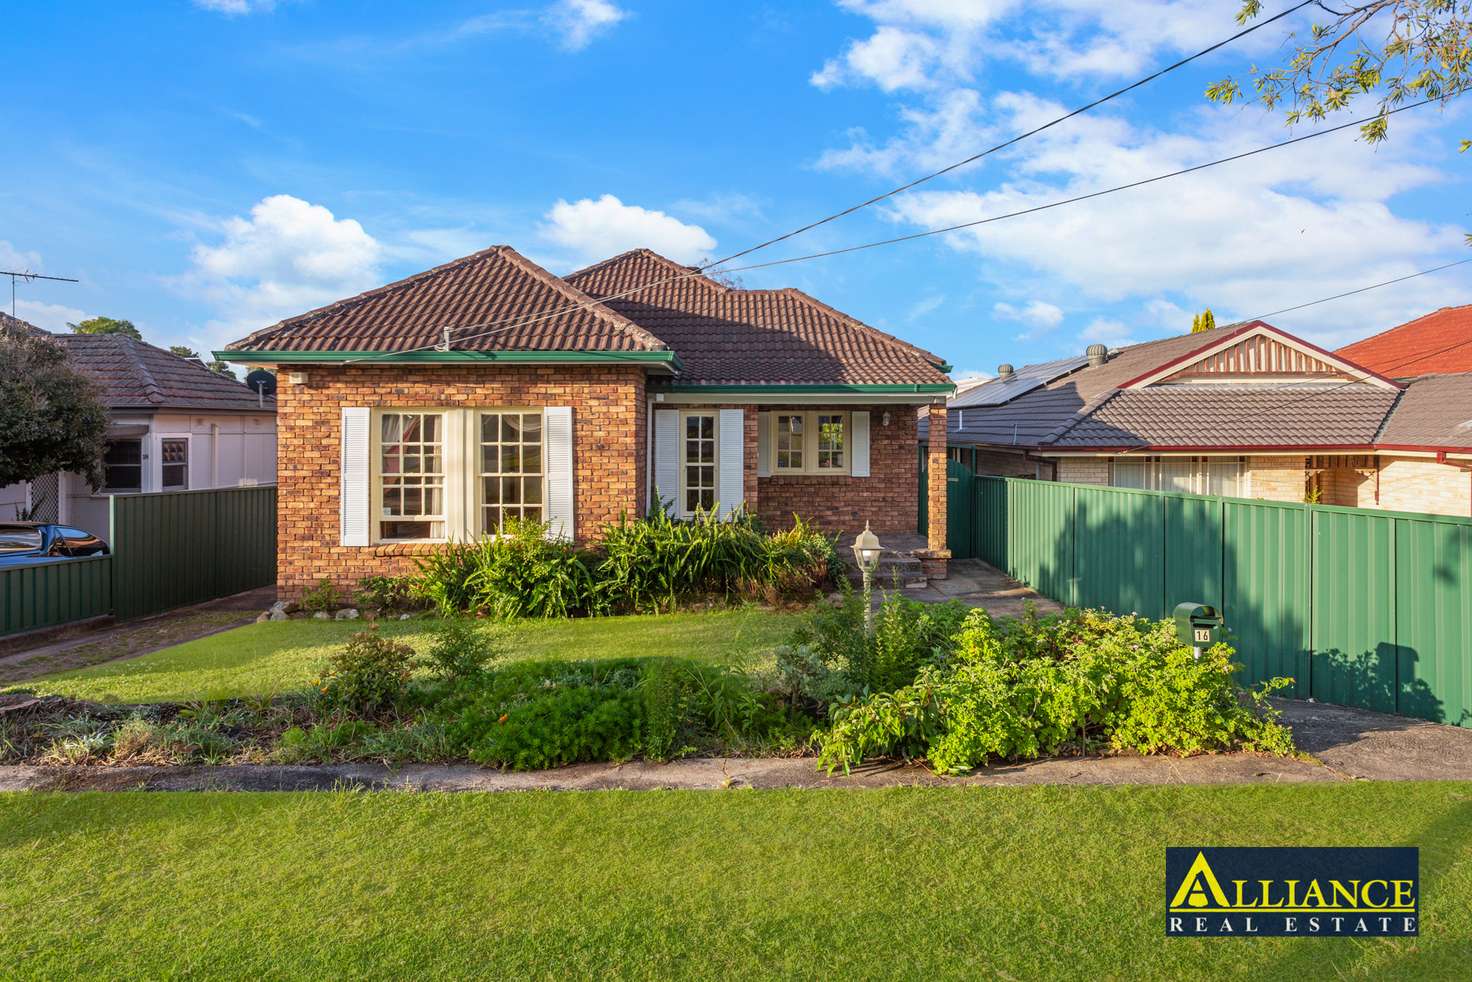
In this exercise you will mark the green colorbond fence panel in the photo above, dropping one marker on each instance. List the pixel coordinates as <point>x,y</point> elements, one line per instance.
<point>1354,598</point>
<point>1266,571</point>
<point>186,547</point>
<point>1434,627</point>
<point>991,520</point>
<point>960,510</point>
<point>57,592</point>
<point>1193,551</point>
<point>1118,544</point>
<point>1040,536</point>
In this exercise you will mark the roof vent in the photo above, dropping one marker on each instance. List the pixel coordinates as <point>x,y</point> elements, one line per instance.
<point>1097,354</point>
<point>1004,370</point>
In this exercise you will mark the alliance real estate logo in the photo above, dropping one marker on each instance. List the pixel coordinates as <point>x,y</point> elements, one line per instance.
<point>1291,891</point>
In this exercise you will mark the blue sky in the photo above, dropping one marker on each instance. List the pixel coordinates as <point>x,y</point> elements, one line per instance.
<point>206,168</point>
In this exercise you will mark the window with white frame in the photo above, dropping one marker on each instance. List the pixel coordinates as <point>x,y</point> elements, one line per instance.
<point>411,475</point>
<point>1221,476</point>
<point>511,480</point>
<point>174,456</point>
<point>698,458</point>
<point>810,443</point>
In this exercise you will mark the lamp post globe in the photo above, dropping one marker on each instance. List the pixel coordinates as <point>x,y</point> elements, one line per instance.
<point>866,554</point>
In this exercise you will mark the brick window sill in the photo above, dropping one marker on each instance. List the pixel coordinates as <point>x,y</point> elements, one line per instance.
<point>405,548</point>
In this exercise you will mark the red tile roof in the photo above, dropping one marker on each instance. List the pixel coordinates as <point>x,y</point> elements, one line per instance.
<point>730,336</point>
<point>136,375</point>
<point>492,300</point>
<point>1436,343</point>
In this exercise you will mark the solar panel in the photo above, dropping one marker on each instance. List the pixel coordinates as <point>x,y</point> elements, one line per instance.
<point>997,391</point>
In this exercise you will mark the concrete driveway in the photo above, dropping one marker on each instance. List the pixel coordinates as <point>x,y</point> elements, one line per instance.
<point>1356,743</point>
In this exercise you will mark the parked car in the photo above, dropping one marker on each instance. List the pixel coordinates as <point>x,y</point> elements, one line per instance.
<point>25,542</point>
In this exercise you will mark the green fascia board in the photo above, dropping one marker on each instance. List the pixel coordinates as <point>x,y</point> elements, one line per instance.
<point>938,389</point>
<point>399,358</point>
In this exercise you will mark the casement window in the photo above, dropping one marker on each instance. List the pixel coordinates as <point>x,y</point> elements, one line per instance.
<point>122,467</point>
<point>511,472</point>
<point>174,466</point>
<point>699,492</point>
<point>809,442</point>
<point>1222,476</point>
<point>453,474</point>
<point>411,476</point>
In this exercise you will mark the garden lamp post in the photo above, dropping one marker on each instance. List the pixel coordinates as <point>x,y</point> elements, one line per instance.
<point>866,553</point>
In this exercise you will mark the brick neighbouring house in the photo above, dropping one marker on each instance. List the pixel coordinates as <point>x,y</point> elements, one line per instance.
<point>1245,411</point>
<point>429,409</point>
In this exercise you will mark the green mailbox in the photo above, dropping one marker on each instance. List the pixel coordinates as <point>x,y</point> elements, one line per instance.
<point>1198,625</point>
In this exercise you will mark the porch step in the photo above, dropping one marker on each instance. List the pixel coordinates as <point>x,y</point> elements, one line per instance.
<point>894,567</point>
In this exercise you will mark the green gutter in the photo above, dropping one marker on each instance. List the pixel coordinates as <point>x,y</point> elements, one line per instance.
<point>939,389</point>
<point>399,358</point>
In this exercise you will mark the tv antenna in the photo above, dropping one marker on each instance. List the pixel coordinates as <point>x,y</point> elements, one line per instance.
<point>27,276</point>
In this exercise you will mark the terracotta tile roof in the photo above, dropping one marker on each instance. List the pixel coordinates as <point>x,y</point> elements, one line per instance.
<point>136,375</point>
<point>1440,342</point>
<point>1434,411</point>
<point>730,336</point>
<point>1243,415</point>
<point>495,285</point>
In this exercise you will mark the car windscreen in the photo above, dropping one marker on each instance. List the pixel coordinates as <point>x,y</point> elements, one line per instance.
<point>19,539</point>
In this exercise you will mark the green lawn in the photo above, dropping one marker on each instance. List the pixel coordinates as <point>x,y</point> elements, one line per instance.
<point>1015,883</point>
<point>278,657</point>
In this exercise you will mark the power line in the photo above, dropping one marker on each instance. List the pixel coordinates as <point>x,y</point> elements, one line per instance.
<point>881,197</point>
<point>494,327</point>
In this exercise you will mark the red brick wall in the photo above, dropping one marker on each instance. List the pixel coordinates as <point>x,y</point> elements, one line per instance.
<point>937,489</point>
<point>886,498</point>
<point>609,420</point>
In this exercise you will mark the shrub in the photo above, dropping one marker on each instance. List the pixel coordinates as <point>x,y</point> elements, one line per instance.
<point>323,596</point>
<point>368,677</point>
<point>1023,689</point>
<point>832,658</point>
<point>390,593</point>
<point>520,573</point>
<point>322,742</point>
<point>461,650</point>
<point>546,714</point>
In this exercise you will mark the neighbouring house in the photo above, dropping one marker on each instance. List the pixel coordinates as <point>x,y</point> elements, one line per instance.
<point>1245,411</point>
<point>173,425</point>
<point>1439,343</point>
<point>436,407</point>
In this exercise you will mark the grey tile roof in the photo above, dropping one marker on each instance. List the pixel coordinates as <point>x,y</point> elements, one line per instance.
<point>136,375</point>
<point>1256,415</point>
<point>996,391</point>
<point>1434,411</point>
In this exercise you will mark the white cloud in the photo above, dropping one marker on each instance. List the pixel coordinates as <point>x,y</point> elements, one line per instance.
<point>591,230</point>
<point>1107,330</point>
<point>287,257</point>
<point>1039,315</point>
<point>236,8</point>
<point>19,260</point>
<point>579,22</point>
<point>53,317</point>
<point>924,307</point>
<point>892,59</point>
<point>952,128</point>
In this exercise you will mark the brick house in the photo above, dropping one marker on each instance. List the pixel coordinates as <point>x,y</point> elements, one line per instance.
<point>435,407</point>
<point>1245,411</point>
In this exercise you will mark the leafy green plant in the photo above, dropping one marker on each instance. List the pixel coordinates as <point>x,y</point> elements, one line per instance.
<point>323,596</point>
<point>1022,689</point>
<point>398,594</point>
<point>368,677</point>
<point>461,649</point>
<point>520,573</point>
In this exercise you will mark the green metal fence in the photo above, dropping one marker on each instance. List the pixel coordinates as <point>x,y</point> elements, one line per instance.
<point>1360,607</point>
<point>168,550</point>
<point>54,592</point>
<point>186,547</point>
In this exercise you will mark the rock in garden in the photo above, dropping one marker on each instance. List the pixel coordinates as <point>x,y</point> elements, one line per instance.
<point>277,615</point>
<point>264,615</point>
<point>347,614</point>
<point>321,615</point>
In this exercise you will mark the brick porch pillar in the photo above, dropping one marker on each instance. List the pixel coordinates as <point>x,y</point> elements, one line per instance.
<point>936,556</point>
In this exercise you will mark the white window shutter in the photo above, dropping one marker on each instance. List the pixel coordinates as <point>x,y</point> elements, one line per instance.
<point>557,431</point>
<point>731,471</point>
<point>763,444</point>
<point>859,444</point>
<point>355,475</point>
<point>667,458</point>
